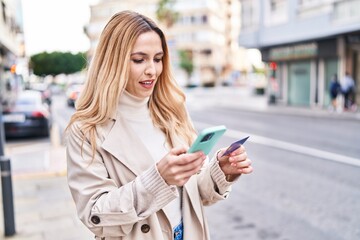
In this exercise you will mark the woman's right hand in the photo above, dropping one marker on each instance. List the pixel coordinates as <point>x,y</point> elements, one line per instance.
<point>178,166</point>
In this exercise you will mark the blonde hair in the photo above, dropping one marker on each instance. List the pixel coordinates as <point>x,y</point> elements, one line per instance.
<point>108,75</point>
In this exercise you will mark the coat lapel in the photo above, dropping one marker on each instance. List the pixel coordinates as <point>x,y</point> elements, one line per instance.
<point>192,193</point>
<point>123,143</point>
<point>126,147</point>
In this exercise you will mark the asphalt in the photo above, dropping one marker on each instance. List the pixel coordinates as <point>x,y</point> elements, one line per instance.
<point>43,207</point>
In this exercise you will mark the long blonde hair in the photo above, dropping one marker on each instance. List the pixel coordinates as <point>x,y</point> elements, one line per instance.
<point>108,75</point>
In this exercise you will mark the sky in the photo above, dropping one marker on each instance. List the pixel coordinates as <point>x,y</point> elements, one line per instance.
<point>55,25</point>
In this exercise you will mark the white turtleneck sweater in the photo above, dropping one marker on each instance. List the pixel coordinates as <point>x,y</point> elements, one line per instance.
<point>135,110</point>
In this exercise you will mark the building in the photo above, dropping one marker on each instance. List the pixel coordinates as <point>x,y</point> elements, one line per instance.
<point>206,29</point>
<point>304,42</point>
<point>101,12</point>
<point>11,47</point>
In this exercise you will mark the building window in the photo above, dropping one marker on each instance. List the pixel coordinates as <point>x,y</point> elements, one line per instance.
<point>249,14</point>
<point>276,12</point>
<point>277,6</point>
<point>204,19</point>
<point>206,52</point>
<point>309,8</point>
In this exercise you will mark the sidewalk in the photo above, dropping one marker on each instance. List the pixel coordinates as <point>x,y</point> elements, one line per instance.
<point>243,98</point>
<point>43,206</point>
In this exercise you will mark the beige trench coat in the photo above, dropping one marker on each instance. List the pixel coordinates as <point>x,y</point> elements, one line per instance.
<point>104,189</point>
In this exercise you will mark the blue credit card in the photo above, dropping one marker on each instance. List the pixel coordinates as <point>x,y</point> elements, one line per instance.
<point>234,146</point>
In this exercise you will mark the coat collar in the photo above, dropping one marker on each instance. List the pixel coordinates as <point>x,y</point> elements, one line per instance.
<point>123,143</point>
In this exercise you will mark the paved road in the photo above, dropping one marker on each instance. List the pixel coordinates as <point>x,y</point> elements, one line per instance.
<point>43,206</point>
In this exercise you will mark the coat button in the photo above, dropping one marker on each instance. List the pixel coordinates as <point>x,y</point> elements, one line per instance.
<point>145,228</point>
<point>95,219</point>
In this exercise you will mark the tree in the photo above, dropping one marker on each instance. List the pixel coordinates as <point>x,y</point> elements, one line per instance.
<point>165,14</point>
<point>186,63</point>
<point>57,62</point>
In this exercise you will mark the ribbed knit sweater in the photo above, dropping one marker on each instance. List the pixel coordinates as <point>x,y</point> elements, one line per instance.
<point>136,112</point>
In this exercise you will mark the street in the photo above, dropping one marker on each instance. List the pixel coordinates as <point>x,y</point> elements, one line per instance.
<point>292,194</point>
<point>305,183</point>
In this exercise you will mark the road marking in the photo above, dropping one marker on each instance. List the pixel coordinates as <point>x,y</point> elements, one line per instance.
<point>289,146</point>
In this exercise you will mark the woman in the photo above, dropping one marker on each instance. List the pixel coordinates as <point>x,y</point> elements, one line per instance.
<point>128,170</point>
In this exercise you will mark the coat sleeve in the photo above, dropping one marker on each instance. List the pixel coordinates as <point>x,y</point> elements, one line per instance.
<point>212,183</point>
<point>105,208</point>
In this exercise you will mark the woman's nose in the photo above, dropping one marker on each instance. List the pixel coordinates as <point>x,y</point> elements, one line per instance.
<point>150,69</point>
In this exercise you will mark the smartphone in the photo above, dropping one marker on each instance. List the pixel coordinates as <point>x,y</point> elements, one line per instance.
<point>207,139</point>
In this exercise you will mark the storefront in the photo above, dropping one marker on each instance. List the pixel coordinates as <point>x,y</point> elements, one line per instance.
<point>352,41</point>
<point>303,71</point>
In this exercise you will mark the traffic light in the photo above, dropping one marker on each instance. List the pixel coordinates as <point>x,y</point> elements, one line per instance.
<point>273,67</point>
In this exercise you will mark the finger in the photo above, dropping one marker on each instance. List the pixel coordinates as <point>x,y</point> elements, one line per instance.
<point>243,164</point>
<point>220,152</point>
<point>178,150</point>
<point>189,173</point>
<point>181,176</point>
<point>238,158</point>
<point>189,158</point>
<point>238,151</point>
<point>247,170</point>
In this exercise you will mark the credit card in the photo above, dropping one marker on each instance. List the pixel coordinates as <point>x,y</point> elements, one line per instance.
<point>234,146</point>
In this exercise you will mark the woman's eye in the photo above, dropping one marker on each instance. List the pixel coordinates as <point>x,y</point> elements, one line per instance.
<point>138,60</point>
<point>158,60</point>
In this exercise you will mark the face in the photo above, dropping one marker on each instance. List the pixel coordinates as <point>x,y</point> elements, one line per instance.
<point>146,64</point>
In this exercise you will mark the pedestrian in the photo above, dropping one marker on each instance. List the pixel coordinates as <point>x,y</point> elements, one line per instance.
<point>334,90</point>
<point>348,88</point>
<point>128,168</point>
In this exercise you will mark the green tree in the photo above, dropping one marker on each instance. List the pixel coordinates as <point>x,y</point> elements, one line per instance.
<point>56,63</point>
<point>186,63</point>
<point>165,12</point>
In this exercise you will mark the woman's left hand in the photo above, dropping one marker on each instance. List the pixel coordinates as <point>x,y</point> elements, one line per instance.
<point>236,163</point>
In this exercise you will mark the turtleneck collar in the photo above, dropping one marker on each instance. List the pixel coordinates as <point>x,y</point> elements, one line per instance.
<point>131,106</point>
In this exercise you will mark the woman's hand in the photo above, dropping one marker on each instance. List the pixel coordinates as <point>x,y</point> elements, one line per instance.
<point>178,166</point>
<point>235,164</point>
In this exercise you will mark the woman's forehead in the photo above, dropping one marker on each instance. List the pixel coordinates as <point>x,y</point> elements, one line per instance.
<point>148,42</point>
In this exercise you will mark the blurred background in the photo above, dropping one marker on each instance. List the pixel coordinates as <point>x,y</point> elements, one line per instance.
<point>288,50</point>
<point>262,68</point>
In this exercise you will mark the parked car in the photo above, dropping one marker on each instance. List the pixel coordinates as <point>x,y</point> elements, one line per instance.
<point>44,89</point>
<point>28,116</point>
<point>72,93</point>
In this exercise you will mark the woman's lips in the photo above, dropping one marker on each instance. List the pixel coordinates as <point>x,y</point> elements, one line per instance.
<point>147,83</point>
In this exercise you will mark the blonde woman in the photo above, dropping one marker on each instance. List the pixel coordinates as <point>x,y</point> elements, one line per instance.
<point>128,170</point>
